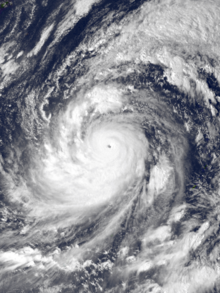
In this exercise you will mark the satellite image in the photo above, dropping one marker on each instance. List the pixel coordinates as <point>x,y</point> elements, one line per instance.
<point>110,146</point>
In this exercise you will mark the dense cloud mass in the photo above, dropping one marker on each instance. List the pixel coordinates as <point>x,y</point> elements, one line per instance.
<point>109,140</point>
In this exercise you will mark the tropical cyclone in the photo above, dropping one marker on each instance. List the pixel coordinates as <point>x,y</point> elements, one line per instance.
<point>97,155</point>
<point>100,147</point>
<point>109,142</point>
